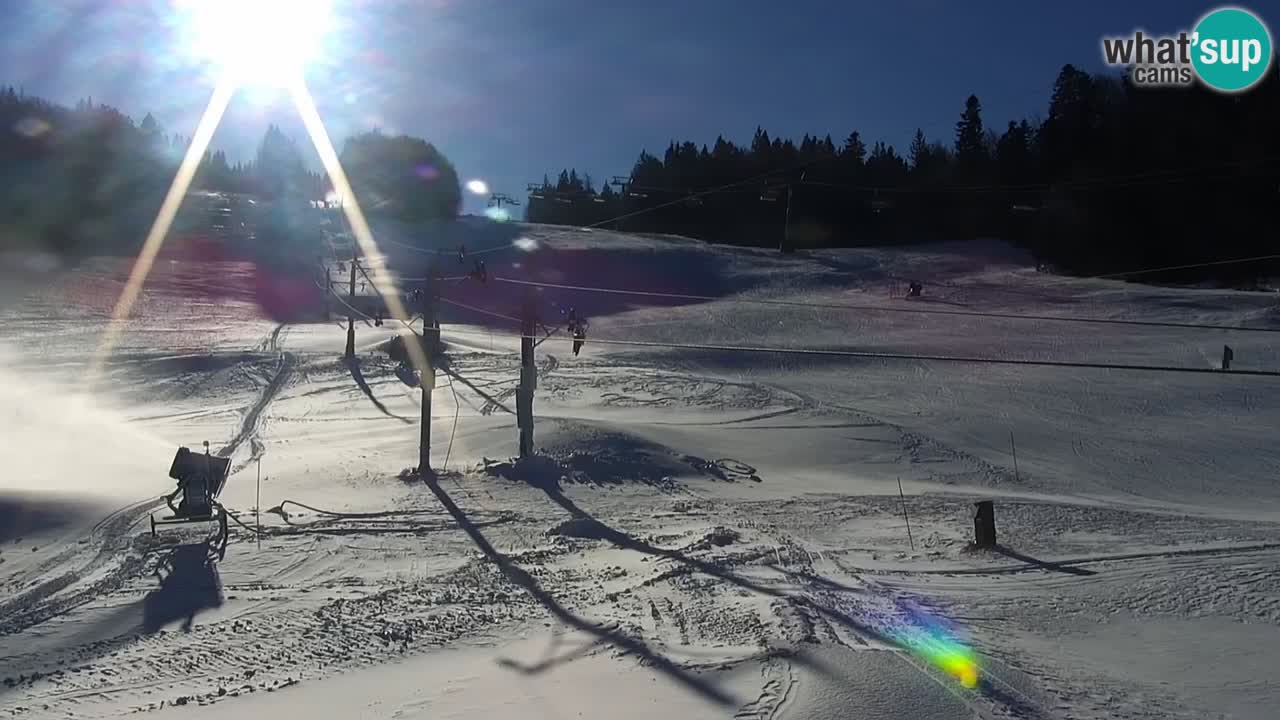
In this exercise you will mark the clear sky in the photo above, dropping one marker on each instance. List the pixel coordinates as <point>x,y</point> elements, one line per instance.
<point>512,89</point>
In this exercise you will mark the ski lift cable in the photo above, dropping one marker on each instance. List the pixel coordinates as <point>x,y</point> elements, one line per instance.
<point>366,316</point>
<point>710,191</point>
<point>433,251</point>
<point>451,278</point>
<point>966,359</point>
<point>350,307</point>
<point>881,308</point>
<point>480,310</point>
<point>1154,177</point>
<point>1188,266</point>
<point>457,410</point>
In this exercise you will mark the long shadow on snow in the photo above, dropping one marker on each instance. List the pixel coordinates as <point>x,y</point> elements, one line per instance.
<point>549,660</point>
<point>520,577</point>
<point>1044,565</point>
<point>356,374</point>
<point>24,514</point>
<point>189,583</point>
<point>594,528</point>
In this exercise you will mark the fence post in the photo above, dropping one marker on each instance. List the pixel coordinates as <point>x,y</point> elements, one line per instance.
<point>1014,447</point>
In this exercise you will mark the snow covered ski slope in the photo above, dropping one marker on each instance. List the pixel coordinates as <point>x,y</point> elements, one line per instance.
<point>713,525</point>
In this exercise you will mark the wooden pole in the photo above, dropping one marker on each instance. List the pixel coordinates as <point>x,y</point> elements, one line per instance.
<point>328,292</point>
<point>903,497</point>
<point>528,377</point>
<point>257,505</point>
<point>350,353</point>
<point>430,336</point>
<point>1015,457</point>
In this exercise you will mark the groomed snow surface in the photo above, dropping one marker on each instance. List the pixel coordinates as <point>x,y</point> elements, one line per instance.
<point>705,533</point>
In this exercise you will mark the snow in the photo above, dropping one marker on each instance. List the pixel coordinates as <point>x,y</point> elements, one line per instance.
<point>705,532</point>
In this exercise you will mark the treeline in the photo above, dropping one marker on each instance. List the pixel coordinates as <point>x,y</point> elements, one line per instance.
<point>87,179</point>
<point>1113,177</point>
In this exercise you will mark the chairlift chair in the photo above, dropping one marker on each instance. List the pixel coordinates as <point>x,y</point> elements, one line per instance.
<point>200,481</point>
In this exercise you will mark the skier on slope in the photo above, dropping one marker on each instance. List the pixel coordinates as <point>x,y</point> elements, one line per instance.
<point>579,337</point>
<point>578,328</point>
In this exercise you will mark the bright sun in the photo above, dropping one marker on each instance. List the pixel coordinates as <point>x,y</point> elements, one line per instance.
<point>256,41</point>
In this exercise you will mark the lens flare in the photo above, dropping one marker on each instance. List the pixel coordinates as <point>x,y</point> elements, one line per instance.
<point>383,283</point>
<point>526,244</point>
<point>477,187</point>
<point>497,214</point>
<point>934,640</point>
<point>160,227</point>
<point>263,42</point>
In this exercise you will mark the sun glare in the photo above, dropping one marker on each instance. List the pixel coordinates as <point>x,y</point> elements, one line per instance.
<point>256,42</point>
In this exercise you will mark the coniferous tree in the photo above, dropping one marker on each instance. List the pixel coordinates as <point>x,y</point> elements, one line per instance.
<point>971,148</point>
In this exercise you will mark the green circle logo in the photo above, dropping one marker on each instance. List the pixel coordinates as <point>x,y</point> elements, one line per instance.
<point>1231,49</point>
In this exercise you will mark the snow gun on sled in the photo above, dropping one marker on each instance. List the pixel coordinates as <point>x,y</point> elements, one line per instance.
<point>200,480</point>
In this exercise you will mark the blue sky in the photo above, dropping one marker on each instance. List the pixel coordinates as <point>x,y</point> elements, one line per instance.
<point>512,89</point>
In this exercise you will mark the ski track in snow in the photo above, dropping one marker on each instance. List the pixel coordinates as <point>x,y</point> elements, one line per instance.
<point>720,517</point>
<point>117,553</point>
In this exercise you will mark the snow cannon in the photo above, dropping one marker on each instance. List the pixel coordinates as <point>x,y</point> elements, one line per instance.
<point>200,478</point>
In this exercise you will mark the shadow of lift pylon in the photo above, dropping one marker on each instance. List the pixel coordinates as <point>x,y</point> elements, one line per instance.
<point>200,481</point>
